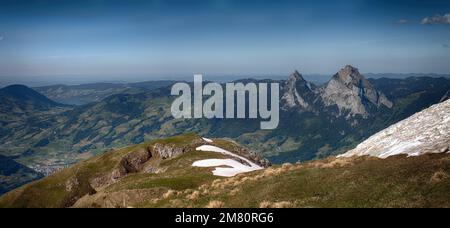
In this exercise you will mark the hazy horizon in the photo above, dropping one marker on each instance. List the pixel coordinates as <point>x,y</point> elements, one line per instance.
<point>39,81</point>
<point>220,37</point>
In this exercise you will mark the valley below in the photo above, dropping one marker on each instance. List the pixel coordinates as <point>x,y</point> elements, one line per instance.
<point>225,104</point>
<point>121,147</point>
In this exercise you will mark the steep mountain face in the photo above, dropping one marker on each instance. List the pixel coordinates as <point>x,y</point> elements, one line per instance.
<point>427,131</point>
<point>297,93</point>
<point>347,94</point>
<point>352,93</point>
<point>187,171</point>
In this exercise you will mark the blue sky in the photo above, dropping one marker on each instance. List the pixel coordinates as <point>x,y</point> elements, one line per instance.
<point>110,39</point>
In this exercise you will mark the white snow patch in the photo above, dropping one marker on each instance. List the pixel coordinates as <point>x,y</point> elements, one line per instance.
<point>207,140</point>
<point>234,168</point>
<point>423,132</point>
<point>401,148</point>
<point>214,149</point>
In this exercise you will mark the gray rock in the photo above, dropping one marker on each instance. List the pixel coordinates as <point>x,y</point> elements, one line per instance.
<point>348,90</point>
<point>351,92</point>
<point>166,151</point>
<point>134,161</point>
<point>298,93</point>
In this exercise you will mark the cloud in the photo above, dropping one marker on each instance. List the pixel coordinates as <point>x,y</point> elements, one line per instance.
<point>437,19</point>
<point>402,21</point>
<point>445,46</point>
<point>1,37</point>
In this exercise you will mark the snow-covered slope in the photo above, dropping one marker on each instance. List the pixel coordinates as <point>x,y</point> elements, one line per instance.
<point>427,131</point>
<point>233,168</point>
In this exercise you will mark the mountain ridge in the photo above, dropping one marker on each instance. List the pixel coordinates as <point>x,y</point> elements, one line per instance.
<point>94,92</point>
<point>21,96</point>
<point>53,139</point>
<point>131,177</point>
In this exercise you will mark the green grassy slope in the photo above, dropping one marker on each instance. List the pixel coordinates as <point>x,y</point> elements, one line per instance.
<point>362,182</point>
<point>356,182</point>
<point>64,188</point>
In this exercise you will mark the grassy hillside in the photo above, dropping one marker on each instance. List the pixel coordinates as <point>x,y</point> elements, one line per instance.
<point>14,174</point>
<point>126,178</point>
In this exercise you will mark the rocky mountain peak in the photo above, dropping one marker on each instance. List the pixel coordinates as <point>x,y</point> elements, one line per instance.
<point>351,92</point>
<point>350,75</point>
<point>297,92</point>
<point>296,76</point>
<point>296,80</point>
<point>349,70</point>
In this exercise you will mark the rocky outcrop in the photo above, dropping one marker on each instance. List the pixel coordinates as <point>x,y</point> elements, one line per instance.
<point>77,188</point>
<point>134,162</point>
<point>297,93</point>
<point>352,93</point>
<point>259,160</point>
<point>144,160</point>
<point>348,91</point>
<point>164,151</point>
<point>427,131</point>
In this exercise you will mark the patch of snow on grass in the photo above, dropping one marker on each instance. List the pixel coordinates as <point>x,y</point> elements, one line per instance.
<point>234,167</point>
<point>207,140</point>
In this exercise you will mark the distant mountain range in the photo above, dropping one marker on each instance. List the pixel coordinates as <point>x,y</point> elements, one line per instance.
<point>24,99</point>
<point>88,93</point>
<point>315,120</point>
<point>404,76</point>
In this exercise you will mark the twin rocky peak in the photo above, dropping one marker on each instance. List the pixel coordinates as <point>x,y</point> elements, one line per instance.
<point>347,94</point>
